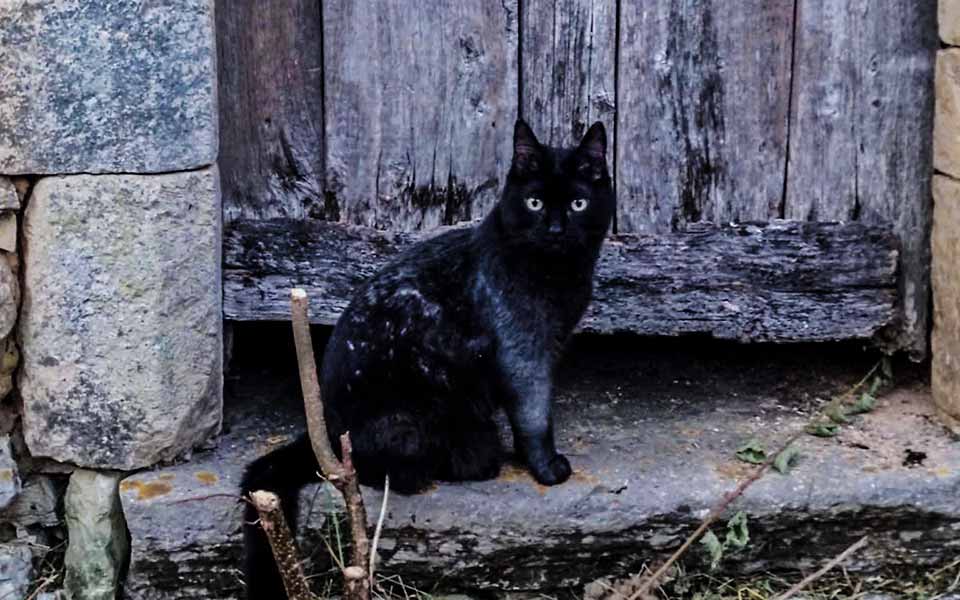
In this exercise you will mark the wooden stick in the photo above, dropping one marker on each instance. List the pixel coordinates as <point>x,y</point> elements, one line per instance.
<point>316,424</point>
<point>357,583</point>
<point>826,568</point>
<point>281,542</point>
<point>340,473</point>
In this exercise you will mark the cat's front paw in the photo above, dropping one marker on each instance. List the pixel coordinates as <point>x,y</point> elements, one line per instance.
<point>556,470</point>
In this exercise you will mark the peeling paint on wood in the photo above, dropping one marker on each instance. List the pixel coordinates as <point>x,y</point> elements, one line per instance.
<point>569,63</point>
<point>702,111</point>
<point>420,103</point>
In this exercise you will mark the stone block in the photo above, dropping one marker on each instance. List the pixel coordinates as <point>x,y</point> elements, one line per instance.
<point>949,21</point>
<point>9,359</point>
<point>9,475</point>
<point>946,128</point>
<point>98,87</point>
<point>36,504</point>
<point>98,548</point>
<point>121,325</point>
<point>9,198</point>
<point>16,570</point>
<point>945,377</point>
<point>9,299</point>
<point>8,232</point>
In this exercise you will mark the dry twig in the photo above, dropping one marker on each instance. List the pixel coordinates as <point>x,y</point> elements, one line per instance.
<point>826,568</point>
<point>281,542</point>
<point>379,528</point>
<point>712,517</point>
<point>718,510</point>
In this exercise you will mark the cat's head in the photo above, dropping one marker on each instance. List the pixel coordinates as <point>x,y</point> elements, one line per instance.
<point>558,200</point>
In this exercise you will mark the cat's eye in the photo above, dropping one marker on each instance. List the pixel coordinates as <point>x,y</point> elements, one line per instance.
<point>534,204</point>
<point>579,205</point>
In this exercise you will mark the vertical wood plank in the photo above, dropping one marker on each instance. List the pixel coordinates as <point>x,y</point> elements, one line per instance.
<point>703,103</point>
<point>569,67</point>
<point>860,140</point>
<point>420,103</point>
<point>271,109</point>
<point>822,180</point>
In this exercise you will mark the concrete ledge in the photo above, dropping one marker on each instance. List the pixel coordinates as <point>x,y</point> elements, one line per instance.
<point>652,436</point>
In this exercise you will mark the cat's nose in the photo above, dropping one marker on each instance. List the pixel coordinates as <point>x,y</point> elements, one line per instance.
<point>556,227</point>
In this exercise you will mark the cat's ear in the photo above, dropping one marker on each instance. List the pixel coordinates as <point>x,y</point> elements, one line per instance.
<point>526,148</point>
<point>592,153</point>
<point>594,142</point>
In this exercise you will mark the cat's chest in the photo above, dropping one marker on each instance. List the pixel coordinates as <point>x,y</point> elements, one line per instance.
<point>535,320</point>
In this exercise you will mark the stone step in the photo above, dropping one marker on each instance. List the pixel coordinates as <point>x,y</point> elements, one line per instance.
<point>651,429</point>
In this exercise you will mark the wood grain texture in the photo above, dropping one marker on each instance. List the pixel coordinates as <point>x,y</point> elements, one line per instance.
<point>568,59</point>
<point>861,129</point>
<point>783,282</point>
<point>703,102</point>
<point>271,109</point>
<point>420,103</point>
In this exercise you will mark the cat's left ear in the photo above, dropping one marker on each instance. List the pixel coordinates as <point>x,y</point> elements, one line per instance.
<point>592,153</point>
<point>526,149</point>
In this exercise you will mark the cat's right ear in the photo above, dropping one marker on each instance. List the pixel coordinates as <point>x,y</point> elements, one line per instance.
<point>526,149</point>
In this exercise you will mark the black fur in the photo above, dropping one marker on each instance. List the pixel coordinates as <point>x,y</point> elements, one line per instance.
<point>453,329</point>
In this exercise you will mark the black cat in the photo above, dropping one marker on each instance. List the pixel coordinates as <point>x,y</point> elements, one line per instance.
<point>453,329</point>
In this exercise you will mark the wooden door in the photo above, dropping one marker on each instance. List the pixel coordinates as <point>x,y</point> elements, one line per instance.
<point>771,159</point>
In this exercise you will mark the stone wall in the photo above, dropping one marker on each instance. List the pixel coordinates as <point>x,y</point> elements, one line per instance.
<point>110,326</point>
<point>946,221</point>
<point>110,303</point>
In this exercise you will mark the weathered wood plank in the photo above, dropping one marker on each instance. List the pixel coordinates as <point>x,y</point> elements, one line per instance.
<point>785,281</point>
<point>703,98</point>
<point>271,109</point>
<point>420,103</point>
<point>568,59</point>
<point>860,134</point>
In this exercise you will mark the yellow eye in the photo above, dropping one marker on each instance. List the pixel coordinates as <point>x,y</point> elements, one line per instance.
<point>534,204</point>
<point>579,205</point>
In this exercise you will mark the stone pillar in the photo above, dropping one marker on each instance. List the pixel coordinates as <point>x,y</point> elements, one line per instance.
<point>98,547</point>
<point>120,326</point>
<point>109,140</point>
<point>945,268</point>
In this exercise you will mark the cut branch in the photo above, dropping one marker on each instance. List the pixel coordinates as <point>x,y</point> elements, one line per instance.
<point>281,542</point>
<point>340,473</point>
<point>310,384</point>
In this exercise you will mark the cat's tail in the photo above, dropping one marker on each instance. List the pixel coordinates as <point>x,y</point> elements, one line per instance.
<point>283,472</point>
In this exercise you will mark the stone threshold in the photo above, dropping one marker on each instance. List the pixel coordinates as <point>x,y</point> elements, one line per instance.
<point>651,428</point>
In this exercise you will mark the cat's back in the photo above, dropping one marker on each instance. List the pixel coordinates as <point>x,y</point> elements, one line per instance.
<point>410,324</point>
<point>424,289</point>
<point>436,268</point>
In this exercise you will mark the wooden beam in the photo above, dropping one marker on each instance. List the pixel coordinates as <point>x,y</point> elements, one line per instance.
<point>784,281</point>
<point>860,132</point>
